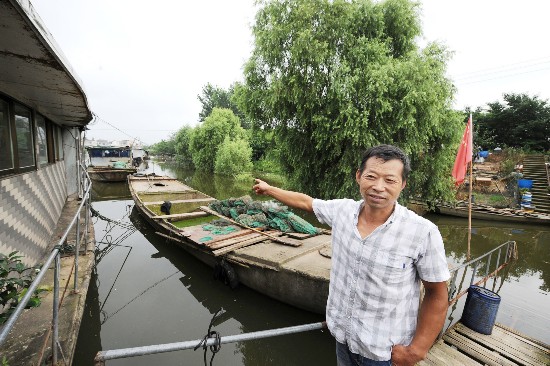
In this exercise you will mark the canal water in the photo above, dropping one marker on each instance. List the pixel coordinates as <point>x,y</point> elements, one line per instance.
<point>145,291</point>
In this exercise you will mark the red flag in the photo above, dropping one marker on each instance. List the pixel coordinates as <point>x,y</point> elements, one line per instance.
<point>464,155</point>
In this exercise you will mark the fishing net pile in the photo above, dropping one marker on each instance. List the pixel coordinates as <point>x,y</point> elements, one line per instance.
<point>262,215</point>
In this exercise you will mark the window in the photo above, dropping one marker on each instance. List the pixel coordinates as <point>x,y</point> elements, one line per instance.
<point>41,140</point>
<point>6,150</point>
<point>28,140</point>
<point>23,133</point>
<point>59,143</point>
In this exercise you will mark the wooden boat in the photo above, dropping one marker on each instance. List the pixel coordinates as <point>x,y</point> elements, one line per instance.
<point>483,212</point>
<point>110,163</point>
<point>293,268</point>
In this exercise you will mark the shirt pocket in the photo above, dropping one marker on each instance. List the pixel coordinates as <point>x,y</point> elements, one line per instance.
<point>394,268</point>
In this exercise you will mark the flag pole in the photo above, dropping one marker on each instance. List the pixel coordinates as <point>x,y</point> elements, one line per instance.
<point>470,212</point>
<point>470,195</point>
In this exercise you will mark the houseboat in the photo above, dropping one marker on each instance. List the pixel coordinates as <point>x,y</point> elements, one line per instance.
<point>43,114</point>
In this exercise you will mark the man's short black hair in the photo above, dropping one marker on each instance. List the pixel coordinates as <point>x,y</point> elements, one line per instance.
<point>387,152</point>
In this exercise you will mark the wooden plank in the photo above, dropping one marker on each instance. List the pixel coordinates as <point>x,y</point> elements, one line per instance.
<point>444,354</point>
<point>300,236</point>
<point>503,343</point>
<point>531,341</point>
<point>187,215</point>
<point>232,240</point>
<point>194,200</point>
<point>475,350</point>
<point>235,240</point>
<point>239,245</point>
<point>226,237</point>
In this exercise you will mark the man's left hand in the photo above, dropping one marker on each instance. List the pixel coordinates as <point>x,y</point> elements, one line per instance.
<point>405,356</point>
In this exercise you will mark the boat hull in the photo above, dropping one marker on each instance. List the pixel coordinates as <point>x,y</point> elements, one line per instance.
<point>484,213</point>
<point>110,175</point>
<point>298,276</point>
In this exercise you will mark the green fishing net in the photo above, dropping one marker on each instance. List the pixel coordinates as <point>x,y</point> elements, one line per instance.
<point>262,215</point>
<point>219,230</point>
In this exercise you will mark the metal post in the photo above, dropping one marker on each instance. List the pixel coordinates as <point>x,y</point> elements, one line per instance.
<point>473,273</point>
<point>488,265</point>
<point>55,321</point>
<point>86,219</point>
<point>76,252</point>
<point>77,142</point>
<point>453,286</point>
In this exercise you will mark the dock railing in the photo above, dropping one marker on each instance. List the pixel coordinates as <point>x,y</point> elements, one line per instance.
<point>55,255</point>
<point>480,269</point>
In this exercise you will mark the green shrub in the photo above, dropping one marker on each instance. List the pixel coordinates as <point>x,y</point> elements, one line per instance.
<point>233,157</point>
<point>15,279</point>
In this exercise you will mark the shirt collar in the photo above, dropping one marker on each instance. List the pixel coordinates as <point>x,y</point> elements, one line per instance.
<point>393,217</point>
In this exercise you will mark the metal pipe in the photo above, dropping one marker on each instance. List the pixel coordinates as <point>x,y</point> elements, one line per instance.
<point>76,251</point>
<point>55,320</point>
<point>103,356</point>
<point>78,159</point>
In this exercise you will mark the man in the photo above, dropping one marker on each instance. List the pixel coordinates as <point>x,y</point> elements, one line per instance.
<point>380,252</point>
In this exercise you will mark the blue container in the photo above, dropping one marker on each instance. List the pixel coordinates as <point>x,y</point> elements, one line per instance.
<point>483,154</point>
<point>480,310</point>
<point>525,183</point>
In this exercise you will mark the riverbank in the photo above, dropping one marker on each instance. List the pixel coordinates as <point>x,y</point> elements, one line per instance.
<point>30,340</point>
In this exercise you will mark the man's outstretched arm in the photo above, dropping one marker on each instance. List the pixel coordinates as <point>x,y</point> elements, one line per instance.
<point>289,198</point>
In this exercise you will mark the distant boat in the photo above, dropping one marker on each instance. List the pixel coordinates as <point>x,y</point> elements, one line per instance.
<point>139,157</point>
<point>483,212</point>
<point>110,163</point>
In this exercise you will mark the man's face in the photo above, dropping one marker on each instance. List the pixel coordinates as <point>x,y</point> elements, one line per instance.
<point>381,182</point>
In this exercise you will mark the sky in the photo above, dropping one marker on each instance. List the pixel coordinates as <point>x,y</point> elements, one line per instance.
<point>142,65</point>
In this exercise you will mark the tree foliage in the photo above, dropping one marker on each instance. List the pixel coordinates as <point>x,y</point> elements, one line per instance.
<point>183,153</point>
<point>333,78</point>
<point>521,122</point>
<point>234,157</point>
<point>216,97</point>
<point>208,137</point>
<point>164,147</point>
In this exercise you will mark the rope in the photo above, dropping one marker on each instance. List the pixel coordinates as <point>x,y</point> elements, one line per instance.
<point>215,348</point>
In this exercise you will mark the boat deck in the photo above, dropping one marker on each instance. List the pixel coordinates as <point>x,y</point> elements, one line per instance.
<point>463,346</point>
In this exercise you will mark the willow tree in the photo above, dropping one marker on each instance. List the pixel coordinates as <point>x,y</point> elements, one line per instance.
<point>333,78</point>
<point>206,139</point>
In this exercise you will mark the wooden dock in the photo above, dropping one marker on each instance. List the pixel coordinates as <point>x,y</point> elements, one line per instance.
<point>463,346</point>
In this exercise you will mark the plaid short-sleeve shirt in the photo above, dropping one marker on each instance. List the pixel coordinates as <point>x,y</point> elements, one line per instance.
<point>374,286</point>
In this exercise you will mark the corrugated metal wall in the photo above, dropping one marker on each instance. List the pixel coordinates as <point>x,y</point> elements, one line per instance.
<point>30,206</point>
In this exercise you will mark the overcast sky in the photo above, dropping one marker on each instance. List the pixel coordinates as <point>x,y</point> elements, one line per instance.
<point>144,63</point>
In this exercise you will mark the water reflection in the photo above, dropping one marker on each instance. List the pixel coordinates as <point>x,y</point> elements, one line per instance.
<point>251,310</point>
<point>102,191</point>
<point>152,292</point>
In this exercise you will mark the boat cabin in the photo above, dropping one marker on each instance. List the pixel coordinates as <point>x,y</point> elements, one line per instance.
<point>43,113</point>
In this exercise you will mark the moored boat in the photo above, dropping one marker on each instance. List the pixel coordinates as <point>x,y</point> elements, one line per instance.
<point>291,267</point>
<point>110,163</point>
<point>483,212</point>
